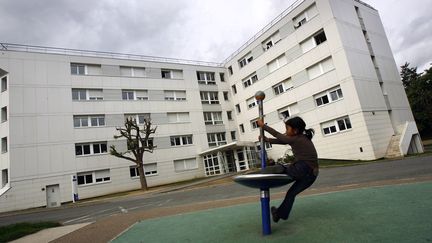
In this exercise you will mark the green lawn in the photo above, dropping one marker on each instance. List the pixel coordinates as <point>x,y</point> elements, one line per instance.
<point>15,231</point>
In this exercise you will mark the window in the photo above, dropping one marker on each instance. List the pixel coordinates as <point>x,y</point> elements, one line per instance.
<point>238,108</point>
<point>95,94</point>
<point>234,89</point>
<point>320,68</point>
<point>267,145</point>
<point>277,63</point>
<point>175,95</point>
<point>229,115</point>
<point>140,118</point>
<point>254,124</point>
<point>87,94</point>
<point>4,84</point>
<point>230,70</point>
<point>78,69</point>
<point>222,77</point>
<point>245,60</point>
<point>181,140</point>
<point>251,79</point>
<point>328,96</point>
<point>5,178</point>
<point>92,177</point>
<point>209,97</point>
<point>132,71</point>
<point>225,94</point>
<point>284,112</point>
<point>216,139</point>
<point>211,164</point>
<point>4,114</point>
<point>271,41</point>
<point>150,169</point>
<point>134,95</point>
<point>233,135</point>
<point>336,126</point>
<point>4,145</point>
<point>206,77</point>
<point>79,94</point>
<point>251,102</point>
<point>305,16</point>
<point>213,118</point>
<point>176,117</point>
<point>313,41</point>
<point>167,74</point>
<point>89,121</point>
<point>185,164</point>
<point>242,128</point>
<point>90,149</point>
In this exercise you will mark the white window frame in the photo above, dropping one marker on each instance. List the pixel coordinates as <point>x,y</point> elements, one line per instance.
<point>88,119</point>
<point>242,129</point>
<point>328,94</point>
<point>254,124</point>
<point>136,94</point>
<point>76,66</point>
<point>91,148</point>
<point>139,118</point>
<point>271,41</point>
<point>311,42</point>
<point>321,68</point>
<point>248,58</point>
<point>251,79</point>
<point>234,138</point>
<point>213,118</point>
<point>96,175</point>
<point>267,145</point>
<point>216,139</point>
<point>171,74</point>
<point>186,165</point>
<point>278,63</point>
<point>337,126</point>
<point>178,116</point>
<point>87,95</point>
<point>210,97</point>
<point>209,78</point>
<point>304,17</point>
<point>212,164</point>
<point>175,95</point>
<point>251,102</point>
<point>183,140</point>
<point>283,110</point>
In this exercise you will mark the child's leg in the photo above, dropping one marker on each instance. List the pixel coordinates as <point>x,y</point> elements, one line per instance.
<point>300,185</point>
<point>274,169</point>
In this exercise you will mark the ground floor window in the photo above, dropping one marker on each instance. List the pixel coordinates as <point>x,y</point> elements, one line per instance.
<point>185,164</point>
<point>149,169</point>
<point>92,177</point>
<point>212,166</point>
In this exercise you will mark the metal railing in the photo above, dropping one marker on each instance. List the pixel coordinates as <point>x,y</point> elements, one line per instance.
<point>267,27</point>
<point>87,53</point>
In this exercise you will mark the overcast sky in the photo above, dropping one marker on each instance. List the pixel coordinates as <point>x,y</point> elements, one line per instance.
<point>205,30</point>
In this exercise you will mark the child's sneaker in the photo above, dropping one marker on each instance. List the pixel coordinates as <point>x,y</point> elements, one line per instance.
<point>275,216</point>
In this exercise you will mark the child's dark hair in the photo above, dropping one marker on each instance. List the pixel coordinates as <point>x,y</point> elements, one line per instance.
<point>298,124</point>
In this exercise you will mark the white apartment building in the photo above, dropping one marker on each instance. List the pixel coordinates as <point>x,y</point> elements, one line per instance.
<point>327,61</point>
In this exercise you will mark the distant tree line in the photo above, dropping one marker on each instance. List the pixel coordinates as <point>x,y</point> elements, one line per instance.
<point>418,87</point>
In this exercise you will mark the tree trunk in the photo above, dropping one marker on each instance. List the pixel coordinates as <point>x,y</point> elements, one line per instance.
<point>142,176</point>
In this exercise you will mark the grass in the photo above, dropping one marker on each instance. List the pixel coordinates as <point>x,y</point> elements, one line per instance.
<point>15,231</point>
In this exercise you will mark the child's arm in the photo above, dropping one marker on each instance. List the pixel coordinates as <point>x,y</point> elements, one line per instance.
<point>280,138</point>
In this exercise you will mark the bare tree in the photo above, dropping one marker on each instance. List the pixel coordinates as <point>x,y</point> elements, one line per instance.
<point>138,142</point>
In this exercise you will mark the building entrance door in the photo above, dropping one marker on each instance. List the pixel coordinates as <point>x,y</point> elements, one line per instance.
<point>53,195</point>
<point>231,161</point>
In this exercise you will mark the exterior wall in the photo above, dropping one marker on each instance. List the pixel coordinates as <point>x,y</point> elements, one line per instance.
<point>39,99</point>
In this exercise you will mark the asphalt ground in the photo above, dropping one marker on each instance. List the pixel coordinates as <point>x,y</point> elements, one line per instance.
<point>395,213</point>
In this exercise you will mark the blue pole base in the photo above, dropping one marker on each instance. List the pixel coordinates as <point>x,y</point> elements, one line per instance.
<point>265,211</point>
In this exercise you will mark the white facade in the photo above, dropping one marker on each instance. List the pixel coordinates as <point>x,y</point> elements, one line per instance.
<point>327,61</point>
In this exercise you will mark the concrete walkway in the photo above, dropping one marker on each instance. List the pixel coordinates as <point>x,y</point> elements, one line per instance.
<point>50,234</point>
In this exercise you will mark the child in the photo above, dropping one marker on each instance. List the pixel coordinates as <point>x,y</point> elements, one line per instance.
<point>304,169</point>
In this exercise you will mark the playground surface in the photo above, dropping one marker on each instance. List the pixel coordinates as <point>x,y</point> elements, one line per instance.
<point>391,213</point>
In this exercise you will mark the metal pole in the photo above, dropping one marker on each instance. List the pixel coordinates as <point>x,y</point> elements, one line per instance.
<point>265,192</point>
